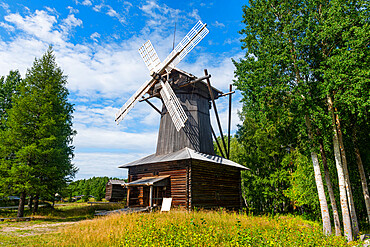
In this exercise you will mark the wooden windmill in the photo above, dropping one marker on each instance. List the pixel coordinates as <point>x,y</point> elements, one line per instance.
<point>185,150</point>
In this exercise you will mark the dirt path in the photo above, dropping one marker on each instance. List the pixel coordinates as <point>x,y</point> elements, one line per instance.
<point>27,230</point>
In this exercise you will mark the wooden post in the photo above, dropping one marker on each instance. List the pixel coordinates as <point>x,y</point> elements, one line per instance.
<point>195,81</point>
<point>151,104</point>
<point>218,144</point>
<point>151,196</point>
<point>128,196</point>
<point>215,109</point>
<point>228,133</point>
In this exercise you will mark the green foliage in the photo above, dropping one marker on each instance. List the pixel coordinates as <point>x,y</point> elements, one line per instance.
<point>8,87</point>
<point>303,191</point>
<point>265,183</point>
<point>36,148</point>
<point>175,228</point>
<point>94,186</point>
<point>298,53</point>
<point>178,228</point>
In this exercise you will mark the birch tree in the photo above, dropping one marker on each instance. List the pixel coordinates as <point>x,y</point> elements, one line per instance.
<point>276,72</point>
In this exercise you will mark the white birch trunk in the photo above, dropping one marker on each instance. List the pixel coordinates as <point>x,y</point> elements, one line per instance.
<point>331,192</point>
<point>361,170</point>
<point>352,209</point>
<point>341,179</point>
<point>320,186</point>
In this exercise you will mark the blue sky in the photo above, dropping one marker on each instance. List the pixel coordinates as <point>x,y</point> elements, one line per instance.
<point>96,44</point>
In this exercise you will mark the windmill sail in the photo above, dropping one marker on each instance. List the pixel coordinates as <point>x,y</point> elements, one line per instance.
<point>194,36</point>
<point>151,59</point>
<point>173,106</point>
<point>134,99</point>
<point>149,56</point>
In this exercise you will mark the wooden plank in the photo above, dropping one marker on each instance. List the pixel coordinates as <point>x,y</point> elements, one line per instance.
<point>177,171</point>
<point>219,188</point>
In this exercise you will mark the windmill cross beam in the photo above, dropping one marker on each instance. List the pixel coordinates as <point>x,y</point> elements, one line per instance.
<point>157,68</point>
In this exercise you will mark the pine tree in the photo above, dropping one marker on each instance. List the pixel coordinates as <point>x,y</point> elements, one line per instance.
<point>37,148</point>
<point>8,87</point>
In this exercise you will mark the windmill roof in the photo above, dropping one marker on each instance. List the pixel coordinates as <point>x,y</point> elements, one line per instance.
<point>194,77</point>
<point>183,154</point>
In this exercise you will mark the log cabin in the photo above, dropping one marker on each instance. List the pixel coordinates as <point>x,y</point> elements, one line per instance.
<point>115,190</point>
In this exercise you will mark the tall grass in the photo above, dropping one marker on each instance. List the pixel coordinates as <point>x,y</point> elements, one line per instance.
<point>181,228</point>
<point>68,212</point>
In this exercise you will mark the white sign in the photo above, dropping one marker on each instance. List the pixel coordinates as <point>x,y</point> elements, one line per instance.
<point>166,204</point>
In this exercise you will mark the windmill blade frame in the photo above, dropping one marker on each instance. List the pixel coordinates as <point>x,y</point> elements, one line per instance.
<point>138,94</point>
<point>150,56</point>
<point>131,102</point>
<point>173,106</point>
<point>152,61</point>
<point>191,39</point>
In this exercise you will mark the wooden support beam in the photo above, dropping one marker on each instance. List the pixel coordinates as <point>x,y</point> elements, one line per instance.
<point>151,104</point>
<point>196,80</point>
<point>151,196</point>
<point>151,96</point>
<point>225,94</point>
<point>215,109</point>
<point>128,196</point>
<point>229,125</point>
<point>218,144</point>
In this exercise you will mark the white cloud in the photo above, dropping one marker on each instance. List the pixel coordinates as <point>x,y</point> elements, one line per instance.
<point>101,77</point>
<point>107,139</point>
<point>98,7</point>
<point>52,10</point>
<point>219,24</point>
<point>7,26</point>
<point>231,41</point>
<point>69,23</point>
<point>87,3</point>
<point>109,11</point>
<point>222,105</point>
<point>194,14</point>
<point>103,164</point>
<point>221,68</point>
<point>38,24</point>
<point>5,6</point>
<point>127,4</point>
<point>112,13</point>
<point>95,36</point>
<point>84,2</point>
<point>72,10</point>
<point>160,15</point>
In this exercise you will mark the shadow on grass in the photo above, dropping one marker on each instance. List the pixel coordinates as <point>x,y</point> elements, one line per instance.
<point>68,212</point>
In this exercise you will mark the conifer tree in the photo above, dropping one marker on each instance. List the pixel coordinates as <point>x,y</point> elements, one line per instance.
<point>8,87</point>
<point>37,145</point>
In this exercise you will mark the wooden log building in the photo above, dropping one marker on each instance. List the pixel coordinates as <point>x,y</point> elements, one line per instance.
<point>191,178</point>
<point>115,190</point>
<point>184,166</point>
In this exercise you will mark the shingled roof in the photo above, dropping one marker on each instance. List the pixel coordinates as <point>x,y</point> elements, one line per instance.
<point>183,154</point>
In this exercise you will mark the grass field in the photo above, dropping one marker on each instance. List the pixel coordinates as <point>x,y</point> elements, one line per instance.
<point>74,225</point>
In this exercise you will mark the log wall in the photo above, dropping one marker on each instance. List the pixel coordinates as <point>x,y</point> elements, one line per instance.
<point>214,185</point>
<point>178,182</point>
<point>114,192</point>
<point>193,183</point>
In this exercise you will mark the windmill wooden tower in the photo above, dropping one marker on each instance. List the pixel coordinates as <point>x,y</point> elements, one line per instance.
<point>184,166</point>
